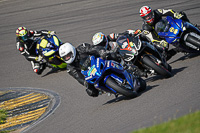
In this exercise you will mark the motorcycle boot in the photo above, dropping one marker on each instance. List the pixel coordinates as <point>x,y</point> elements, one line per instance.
<point>38,68</point>
<point>170,54</point>
<point>91,90</point>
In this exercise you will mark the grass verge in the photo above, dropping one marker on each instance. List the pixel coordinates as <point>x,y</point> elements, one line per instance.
<point>186,124</point>
<point>3,116</point>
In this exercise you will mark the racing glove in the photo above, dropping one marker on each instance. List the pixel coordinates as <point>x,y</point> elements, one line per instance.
<point>164,43</point>
<point>39,58</point>
<point>178,15</point>
<point>50,33</point>
<point>129,31</point>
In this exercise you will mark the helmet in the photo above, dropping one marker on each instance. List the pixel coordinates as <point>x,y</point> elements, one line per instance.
<point>99,39</point>
<point>67,52</point>
<point>147,14</point>
<point>22,33</point>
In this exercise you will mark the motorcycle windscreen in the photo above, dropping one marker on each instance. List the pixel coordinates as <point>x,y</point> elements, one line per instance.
<point>168,30</point>
<point>122,42</point>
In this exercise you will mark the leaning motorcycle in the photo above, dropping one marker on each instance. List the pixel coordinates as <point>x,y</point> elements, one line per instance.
<point>47,47</point>
<point>144,55</point>
<point>180,34</point>
<point>108,76</point>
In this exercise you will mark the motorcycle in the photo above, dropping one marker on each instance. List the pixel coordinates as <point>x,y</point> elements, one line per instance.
<point>180,34</point>
<point>143,55</point>
<point>108,76</point>
<point>47,49</point>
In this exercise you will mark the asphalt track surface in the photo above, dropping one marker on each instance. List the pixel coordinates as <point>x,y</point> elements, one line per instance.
<point>76,21</point>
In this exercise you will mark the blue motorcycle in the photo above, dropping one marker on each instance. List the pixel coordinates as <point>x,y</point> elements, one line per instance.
<point>179,33</point>
<point>47,47</point>
<point>108,76</point>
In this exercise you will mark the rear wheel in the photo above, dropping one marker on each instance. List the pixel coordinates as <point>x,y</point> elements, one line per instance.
<point>122,90</point>
<point>194,39</point>
<point>158,69</point>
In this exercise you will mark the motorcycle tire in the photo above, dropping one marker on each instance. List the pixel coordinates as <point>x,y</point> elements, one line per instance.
<point>142,85</point>
<point>194,40</point>
<point>158,69</point>
<point>121,90</point>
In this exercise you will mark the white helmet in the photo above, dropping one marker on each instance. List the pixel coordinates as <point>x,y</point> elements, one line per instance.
<point>67,52</point>
<point>99,39</point>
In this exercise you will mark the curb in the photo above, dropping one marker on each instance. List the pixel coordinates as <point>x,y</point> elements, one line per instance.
<point>26,107</point>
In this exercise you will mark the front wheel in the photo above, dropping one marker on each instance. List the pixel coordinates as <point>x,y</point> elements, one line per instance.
<point>122,90</point>
<point>158,68</point>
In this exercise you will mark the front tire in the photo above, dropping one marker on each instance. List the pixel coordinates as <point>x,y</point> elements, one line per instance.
<point>122,90</point>
<point>158,69</point>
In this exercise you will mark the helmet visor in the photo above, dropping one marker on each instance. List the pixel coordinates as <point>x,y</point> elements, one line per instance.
<point>68,56</point>
<point>148,16</point>
<point>24,38</point>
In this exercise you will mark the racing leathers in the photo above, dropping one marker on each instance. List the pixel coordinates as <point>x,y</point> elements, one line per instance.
<point>151,35</point>
<point>113,46</point>
<point>82,53</point>
<point>28,49</point>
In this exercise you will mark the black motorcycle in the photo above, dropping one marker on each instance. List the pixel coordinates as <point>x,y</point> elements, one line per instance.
<point>143,55</point>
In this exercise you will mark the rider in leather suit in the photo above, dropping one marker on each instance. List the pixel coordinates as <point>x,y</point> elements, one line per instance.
<point>25,43</point>
<point>74,57</point>
<point>150,18</point>
<point>109,42</point>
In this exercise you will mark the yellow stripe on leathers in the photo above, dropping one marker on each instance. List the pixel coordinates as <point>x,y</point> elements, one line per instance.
<point>43,43</point>
<point>49,53</point>
<point>56,40</point>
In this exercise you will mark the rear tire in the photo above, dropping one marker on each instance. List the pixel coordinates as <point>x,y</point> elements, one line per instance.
<point>122,90</point>
<point>158,69</point>
<point>194,40</point>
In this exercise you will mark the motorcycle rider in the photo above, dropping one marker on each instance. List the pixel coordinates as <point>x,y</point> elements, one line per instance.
<point>109,42</point>
<point>74,57</point>
<point>150,18</point>
<point>25,43</point>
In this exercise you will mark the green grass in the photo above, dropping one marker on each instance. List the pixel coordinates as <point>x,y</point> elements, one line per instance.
<point>3,116</point>
<point>186,124</point>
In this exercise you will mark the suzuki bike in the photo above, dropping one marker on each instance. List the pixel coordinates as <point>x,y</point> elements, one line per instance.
<point>108,76</point>
<point>180,34</point>
<point>144,55</point>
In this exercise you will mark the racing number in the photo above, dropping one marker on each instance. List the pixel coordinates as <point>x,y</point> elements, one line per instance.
<point>173,30</point>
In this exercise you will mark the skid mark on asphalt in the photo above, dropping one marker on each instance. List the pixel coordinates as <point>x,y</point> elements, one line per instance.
<point>23,107</point>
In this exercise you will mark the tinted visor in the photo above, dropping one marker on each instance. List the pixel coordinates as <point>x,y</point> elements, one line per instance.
<point>68,56</point>
<point>103,43</point>
<point>23,38</point>
<point>148,16</point>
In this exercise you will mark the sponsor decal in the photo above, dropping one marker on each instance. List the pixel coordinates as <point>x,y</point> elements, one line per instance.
<point>92,70</point>
<point>108,65</point>
<point>88,77</point>
<point>112,64</point>
<point>97,62</point>
<point>124,45</point>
